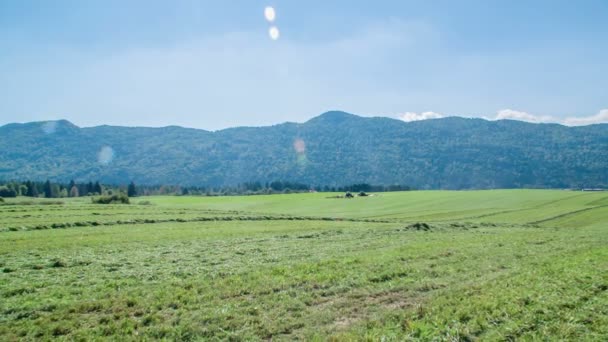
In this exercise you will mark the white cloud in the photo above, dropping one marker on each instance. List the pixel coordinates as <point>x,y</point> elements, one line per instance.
<point>411,116</point>
<point>510,114</point>
<point>601,117</point>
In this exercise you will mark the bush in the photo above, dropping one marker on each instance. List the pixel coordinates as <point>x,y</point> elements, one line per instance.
<point>111,199</point>
<point>1,200</point>
<point>7,192</point>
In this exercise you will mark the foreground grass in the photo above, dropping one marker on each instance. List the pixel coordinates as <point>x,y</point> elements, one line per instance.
<point>464,279</point>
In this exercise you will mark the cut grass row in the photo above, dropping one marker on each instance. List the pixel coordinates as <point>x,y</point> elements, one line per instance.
<point>285,280</point>
<point>492,278</point>
<point>76,224</point>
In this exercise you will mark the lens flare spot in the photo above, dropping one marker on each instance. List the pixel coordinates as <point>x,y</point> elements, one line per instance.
<point>274,33</point>
<point>299,146</point>
<point>105,155</point>
<point>302,160</point>
<point>49,127</point>
<point>270,14</point>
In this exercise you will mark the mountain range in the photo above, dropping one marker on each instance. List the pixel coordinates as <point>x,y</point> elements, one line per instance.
<point>335,148</point>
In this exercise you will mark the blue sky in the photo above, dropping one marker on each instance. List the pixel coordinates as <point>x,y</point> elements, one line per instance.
<point>211,64</point>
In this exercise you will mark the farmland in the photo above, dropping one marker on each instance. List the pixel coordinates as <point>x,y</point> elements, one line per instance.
<point>422,265</point>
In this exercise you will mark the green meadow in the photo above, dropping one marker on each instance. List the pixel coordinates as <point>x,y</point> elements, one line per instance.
<point>421,265</point>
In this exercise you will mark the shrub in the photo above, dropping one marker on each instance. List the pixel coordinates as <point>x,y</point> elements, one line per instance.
<point>7,192</point>
<point>120,198</point>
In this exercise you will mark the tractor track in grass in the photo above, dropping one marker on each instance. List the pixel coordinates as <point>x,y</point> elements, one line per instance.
<point>494,213</point>
<point>570,213</point>
<point>542,205</point>
<point>599,201</point>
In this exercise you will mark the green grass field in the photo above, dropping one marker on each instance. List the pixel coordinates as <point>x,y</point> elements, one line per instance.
<point>428,265</point>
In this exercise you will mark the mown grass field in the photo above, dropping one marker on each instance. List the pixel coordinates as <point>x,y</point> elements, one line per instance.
<point>430,265</point>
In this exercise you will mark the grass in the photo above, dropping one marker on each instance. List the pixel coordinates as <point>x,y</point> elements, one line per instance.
<point>436,265</point>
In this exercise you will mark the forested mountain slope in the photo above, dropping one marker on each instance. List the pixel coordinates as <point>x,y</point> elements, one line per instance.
<point>334,148</point>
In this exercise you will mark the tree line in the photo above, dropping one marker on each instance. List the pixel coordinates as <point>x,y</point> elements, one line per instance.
<point>262,188</point>
<point>50,189</point>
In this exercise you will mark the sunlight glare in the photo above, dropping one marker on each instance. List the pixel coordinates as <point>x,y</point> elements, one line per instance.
<point>270,14</point>
<point>49,127</point>
<point>299,146</point>
<point>273,32</point>
<point>105,155</point>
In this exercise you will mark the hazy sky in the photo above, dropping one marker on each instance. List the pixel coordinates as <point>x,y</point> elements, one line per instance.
<point>212,64</point>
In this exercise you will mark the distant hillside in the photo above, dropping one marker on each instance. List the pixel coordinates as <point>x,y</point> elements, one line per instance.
<point>334,148</point>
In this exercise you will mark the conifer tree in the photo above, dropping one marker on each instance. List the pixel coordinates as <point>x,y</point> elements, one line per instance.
<point>131,190</point>
<point>48,190</point>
